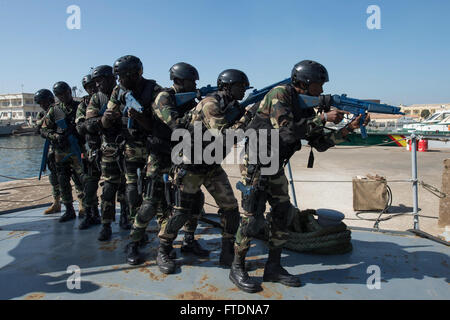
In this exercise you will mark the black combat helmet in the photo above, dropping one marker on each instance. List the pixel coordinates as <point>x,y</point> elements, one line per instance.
<point>128,64</point>
<point>231,76</point>
<point>102,71</point>
<point>309,71</point>
<point>61,87</point>
<point>43,95</point>
<point>183,71</point>
<point>87,79</point>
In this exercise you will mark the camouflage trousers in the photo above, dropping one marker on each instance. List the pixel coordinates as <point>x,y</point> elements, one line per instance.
<point>68,166</point>
<point>188,194</point>
<point>154,199</point>
<point>92,176</point>
<point>53,176</point>
<point>113,184</point>
<point>277,194</point>
<point>136,155</point>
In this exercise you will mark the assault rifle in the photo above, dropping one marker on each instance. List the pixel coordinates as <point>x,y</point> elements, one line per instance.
<point>182,98</point>
<point>131,103</point>
<point>44,158</point>
<point>258,95</point>
<point>355,106</point>
<point>73,141</point>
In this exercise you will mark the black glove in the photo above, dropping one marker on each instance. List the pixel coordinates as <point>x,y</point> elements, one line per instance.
<point>93,125</point>
<point>325,102</point>
<point>60,140</point>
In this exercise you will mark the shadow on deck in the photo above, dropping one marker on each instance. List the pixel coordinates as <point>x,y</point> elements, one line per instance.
<point>36,250</point>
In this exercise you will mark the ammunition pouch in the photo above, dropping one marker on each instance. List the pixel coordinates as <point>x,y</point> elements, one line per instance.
<point>183,200</point>
<point>169,193</point>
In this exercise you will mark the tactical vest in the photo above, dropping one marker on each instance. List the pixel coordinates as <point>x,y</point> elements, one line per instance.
<point>94,140</point>
<point>69,117</point>
<point>159,141</point>
<point>232,113</point>
<point>109,135</point>
<point>261,122</point>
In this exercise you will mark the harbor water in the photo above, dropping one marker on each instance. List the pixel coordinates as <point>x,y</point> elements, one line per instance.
<point>20,156</point>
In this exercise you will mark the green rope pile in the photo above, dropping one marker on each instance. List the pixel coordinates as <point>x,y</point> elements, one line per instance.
<point>306,235</point>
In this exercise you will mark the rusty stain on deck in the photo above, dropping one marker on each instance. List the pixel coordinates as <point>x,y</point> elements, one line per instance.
<point>35,296</point>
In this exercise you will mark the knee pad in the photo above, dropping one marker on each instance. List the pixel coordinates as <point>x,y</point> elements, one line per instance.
<point>183,200</point>
<point>230,220</point>
<point>154,188</point>
<point>147,211</point>
<point>177,221</point>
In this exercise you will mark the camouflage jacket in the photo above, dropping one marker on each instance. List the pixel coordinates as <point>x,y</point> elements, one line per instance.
<point>145,94</point>
<point>81,110</point>
<point>50,129</point>
<point>167,117</point>
<point>280,109</point>
<point>167,111</point>
<point>96,108</point>
<point>40,120</point>
<point>217,111</point>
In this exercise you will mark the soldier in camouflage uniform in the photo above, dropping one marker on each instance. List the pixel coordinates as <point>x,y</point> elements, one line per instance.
<point>110,151</point>
<point>168,117</point>
<point>91,172</point>
<point>45,99</point>
<point>67,163</point>
<point>218,111</point>
<point>280,110</point>
<point>129,69</point>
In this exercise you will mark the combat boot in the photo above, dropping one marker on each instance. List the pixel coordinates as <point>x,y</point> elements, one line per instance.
<point>81,209</point>
<point>165,263</point>
<point>227,252</point>
<point>133,255</point>
<point>105,233</point>
<point>95,216</point>
<point>55,207</point>
<point>143,240</point>
<point>69,214</point>
<point>124,221</point>
<point>239,276</point>
<point>190,245</point>
<point>274,272</point>
<point>87,221</point>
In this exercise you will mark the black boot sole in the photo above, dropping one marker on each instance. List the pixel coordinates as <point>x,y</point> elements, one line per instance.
<point>286,283</point>
<point>166,270</point>
<point>135,262</point>
<point>245,289</point>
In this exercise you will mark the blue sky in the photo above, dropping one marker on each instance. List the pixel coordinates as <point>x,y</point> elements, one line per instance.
<point>407,61</point>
